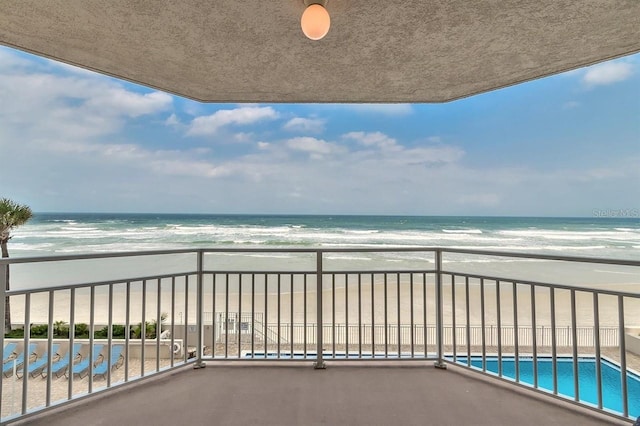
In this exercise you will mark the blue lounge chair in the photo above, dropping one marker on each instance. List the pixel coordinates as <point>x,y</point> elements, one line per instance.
<point>59,367</point>
<point>7,369</point>
<point>81,369</point>
<point>9,350</point>
<point>39,364</point>
<point>116,361</point>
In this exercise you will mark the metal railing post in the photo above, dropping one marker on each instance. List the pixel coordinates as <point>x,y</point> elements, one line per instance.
<point>439,317</point>
<point>200,306</point>
<point>319,364</point>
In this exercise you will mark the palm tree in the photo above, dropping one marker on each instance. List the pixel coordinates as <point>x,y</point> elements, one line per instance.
<point>12,215</point>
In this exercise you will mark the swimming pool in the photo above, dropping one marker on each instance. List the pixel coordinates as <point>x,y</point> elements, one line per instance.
<point>588,391</point>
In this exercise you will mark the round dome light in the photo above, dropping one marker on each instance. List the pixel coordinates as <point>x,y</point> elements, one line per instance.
<point>315,22</point>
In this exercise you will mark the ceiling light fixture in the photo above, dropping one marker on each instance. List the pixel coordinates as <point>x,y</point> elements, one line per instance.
<point>315,21</point>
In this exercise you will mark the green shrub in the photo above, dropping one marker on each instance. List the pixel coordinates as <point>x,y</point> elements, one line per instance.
<point>82,331</point>
<point>15,333</point>
<point>60,329</point>
<point>39,330</point>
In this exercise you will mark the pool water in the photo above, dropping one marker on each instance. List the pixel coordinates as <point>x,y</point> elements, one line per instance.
<point>587,385</point>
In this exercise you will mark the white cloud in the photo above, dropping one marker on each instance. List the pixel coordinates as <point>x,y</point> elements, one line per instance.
<point>118,101</point>
<point>210,124</point>
<point>173,121</point>
<point>313,146</point>
<point>306,125</point>
<point>607,73</point>
<point>377,139</point>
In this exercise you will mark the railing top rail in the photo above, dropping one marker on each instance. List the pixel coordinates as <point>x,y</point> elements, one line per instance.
<point>445,250</point>
<point>60,258</point>
<point>622,262</point>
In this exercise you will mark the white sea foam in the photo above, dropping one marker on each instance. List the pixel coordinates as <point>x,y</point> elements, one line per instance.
<point>462,231</point>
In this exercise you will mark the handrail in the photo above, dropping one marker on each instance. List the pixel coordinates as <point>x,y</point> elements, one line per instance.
<point>399,249</point>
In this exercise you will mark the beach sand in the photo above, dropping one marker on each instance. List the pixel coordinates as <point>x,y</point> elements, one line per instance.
<point>348,300</point>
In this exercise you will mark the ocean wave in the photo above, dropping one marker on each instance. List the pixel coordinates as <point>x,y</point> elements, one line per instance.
<point>462,231</point>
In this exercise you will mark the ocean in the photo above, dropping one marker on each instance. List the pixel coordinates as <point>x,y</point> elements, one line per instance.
<point>76,233</point>
<point>73,233</point>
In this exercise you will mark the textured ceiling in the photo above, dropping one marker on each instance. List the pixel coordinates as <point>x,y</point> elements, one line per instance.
<point>376,50</point>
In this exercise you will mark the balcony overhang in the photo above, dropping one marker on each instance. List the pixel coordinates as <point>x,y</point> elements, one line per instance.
<point>376,50</point>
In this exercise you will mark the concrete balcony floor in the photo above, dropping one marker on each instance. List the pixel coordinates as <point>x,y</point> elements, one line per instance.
<point>343,394</point>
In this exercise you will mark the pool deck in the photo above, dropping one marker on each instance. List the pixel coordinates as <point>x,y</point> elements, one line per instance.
<point>241,393</point>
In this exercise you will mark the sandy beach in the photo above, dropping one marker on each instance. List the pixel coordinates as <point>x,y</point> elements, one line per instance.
<point>348,300</point>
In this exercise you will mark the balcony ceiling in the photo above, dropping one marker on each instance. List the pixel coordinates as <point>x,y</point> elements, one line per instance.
<point>376,50</point>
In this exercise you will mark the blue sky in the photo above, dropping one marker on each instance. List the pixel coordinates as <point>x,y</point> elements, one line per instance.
<point>73,140</point>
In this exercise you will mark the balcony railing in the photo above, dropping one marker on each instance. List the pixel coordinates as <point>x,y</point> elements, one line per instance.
<point>128,316</point>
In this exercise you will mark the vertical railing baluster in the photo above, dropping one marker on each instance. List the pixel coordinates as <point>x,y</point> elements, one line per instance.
<point>413,324</point>
<point>483,331</point>
<point>158,323</point>
<point>554,349</point>
<point>200,309</point>
<point>226,316</point>
<point>92,324</point>
<point>186,319</point>
<point>173,321</point>
<point>72,336</point>
<point>49,348</point>
<point>373,319</point>
<point>291,312</point>
<point>596,343</point>
<point>623,357</point>
<point>109,334</point>
<point>534,336</point>
<point>239,322</point>
<point>27,355</point>
<point>266,315</point>
<point>439,314</point>
<point>516,331</point>
<point>359,315</point>
<point>279,312</point>
<point>386,318</point>
<point>453,317</point>
<point>253,314</point>
<point>304,314</point>
<point>574,338</point>
<point>499,327</point>
<point>213,316</point>
<point>319,364</point>
<point>143,326</point>
<point>398,309</point>
<point>468,318</point>
<point>424,313</point>
<point>333,315</point>
<point>127,327</point>
<point>346,313</point>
